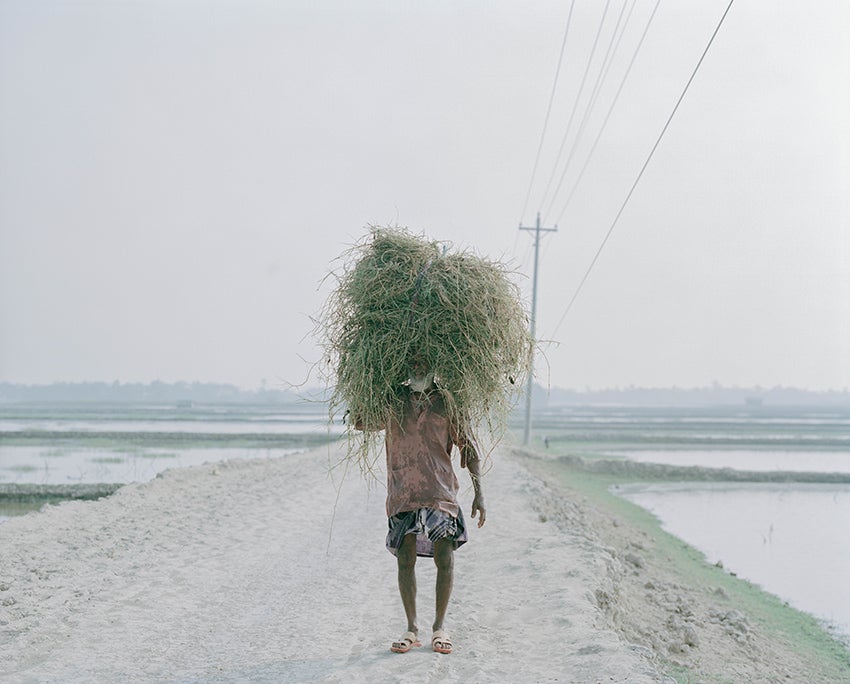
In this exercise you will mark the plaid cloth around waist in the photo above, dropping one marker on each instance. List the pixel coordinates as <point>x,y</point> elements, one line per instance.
<point>429,525</point>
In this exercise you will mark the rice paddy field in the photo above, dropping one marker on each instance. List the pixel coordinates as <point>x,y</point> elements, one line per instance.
<point>629,431</point>
<point>69,446</point>
<point>53,444</point>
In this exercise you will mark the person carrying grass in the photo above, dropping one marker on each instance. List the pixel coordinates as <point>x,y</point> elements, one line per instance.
<point>405,310</point>
<point>424,516</point>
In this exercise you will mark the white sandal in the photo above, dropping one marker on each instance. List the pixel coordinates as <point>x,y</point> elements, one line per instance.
<point>408,640</point>
<point>440,642</point>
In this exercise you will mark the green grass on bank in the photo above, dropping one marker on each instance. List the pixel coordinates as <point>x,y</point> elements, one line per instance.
<point>799,631</point>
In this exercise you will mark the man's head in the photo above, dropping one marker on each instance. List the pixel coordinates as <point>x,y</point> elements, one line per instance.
<point>420,376</point>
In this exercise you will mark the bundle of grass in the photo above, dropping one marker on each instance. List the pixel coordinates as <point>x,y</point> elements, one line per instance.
<point>400,295</point>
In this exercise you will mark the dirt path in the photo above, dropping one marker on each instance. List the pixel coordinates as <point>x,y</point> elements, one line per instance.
<point>235,572</point>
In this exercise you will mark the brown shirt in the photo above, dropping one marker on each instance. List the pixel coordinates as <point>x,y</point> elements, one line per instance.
<point>419,457</point>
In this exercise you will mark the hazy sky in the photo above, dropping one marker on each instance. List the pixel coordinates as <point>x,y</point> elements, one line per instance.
<point>178,176</point>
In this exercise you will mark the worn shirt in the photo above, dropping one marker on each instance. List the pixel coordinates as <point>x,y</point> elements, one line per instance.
<point>419,457</point>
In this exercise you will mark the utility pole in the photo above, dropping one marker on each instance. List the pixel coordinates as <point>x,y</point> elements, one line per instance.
<point>537,230</point>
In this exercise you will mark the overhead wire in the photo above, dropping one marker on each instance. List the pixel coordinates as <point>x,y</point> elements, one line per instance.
<point>600,81</point>
<point>548,111</point>
<point>608,114</point>
<point>575,104</point>
<point>641,172</point>
<point>601,77</point>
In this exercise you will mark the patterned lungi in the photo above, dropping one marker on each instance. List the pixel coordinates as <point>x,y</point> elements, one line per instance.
<point>429,525</point>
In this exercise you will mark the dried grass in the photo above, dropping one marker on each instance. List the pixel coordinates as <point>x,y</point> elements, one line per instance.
<point>398,294</point>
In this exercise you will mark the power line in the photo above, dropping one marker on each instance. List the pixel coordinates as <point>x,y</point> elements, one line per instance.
<point>594,94</point>
<point>643,168</point>
<point>548,110</point>
<point>610,110</point>
<point>575,104</point>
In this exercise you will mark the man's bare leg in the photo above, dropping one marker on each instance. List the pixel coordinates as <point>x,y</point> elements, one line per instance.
<point>444,559</point>
<point>407,579</point>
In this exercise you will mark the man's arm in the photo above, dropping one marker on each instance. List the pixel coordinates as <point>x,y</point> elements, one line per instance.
<point>470,459</point>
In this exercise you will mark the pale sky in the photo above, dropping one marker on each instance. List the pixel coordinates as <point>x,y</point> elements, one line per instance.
<point>178,176</point>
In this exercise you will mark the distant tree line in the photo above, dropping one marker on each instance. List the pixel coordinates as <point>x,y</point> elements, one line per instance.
<point>154,392</point>
<point>716,395</point>
<point>542,398</point>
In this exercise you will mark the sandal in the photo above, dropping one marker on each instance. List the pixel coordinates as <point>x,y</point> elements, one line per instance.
<point>440,642</point>
<point>407,641</point>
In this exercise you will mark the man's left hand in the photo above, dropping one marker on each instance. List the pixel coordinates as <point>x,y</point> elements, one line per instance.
<point>478,509</point>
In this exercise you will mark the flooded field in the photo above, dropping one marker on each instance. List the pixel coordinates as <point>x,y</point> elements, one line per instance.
<point>599,430</point>
<point>86,444</point>
<point>791,539</point>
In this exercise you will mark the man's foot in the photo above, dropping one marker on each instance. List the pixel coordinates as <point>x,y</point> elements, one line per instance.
<point>440,642</point>
<point>407,641</point>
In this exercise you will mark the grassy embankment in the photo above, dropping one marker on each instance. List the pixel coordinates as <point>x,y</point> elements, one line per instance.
<point>796,629</point>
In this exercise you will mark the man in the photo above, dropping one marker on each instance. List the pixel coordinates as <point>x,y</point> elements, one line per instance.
<point>424,516</point>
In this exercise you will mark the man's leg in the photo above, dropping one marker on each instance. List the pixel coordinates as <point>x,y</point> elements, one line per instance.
<point>407,579</point>
<point>444,558</point>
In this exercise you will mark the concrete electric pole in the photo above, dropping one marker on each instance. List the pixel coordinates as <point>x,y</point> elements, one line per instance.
<point>537,230</point>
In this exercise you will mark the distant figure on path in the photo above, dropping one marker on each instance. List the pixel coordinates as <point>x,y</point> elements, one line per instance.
<point>424,516</point>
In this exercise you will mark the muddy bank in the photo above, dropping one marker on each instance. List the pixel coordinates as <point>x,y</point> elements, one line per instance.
<point>634,470</point>
<point>51,493</point>
<point>266,440</point>
<point>700,622</point>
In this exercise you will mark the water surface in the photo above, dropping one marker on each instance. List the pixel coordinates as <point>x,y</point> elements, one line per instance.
<point>791,539</point>
<point>762,460</point>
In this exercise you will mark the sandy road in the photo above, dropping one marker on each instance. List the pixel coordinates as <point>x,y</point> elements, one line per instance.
<point>242,572</point>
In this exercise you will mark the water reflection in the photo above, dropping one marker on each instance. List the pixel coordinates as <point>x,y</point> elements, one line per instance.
<point>81,465</point>
<point>791,539</point>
